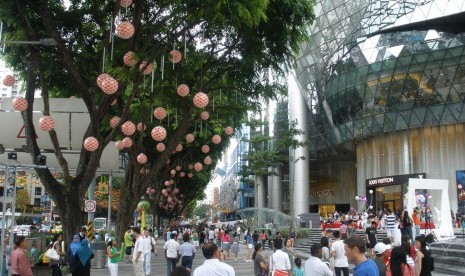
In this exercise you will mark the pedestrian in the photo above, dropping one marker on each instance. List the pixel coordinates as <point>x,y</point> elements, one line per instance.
<point>83,233</point>
<point>380,252</point>
<point>280,264</point>
<point>250,246</point>
<point>171,248</point>
<point>187,252</point>
<point>416,222</point>
<point>34,253</point>
<point>289,250</point>
<point>235,246</point>
<point>73,247</point>
<point>424,262</point>
<point>398,264</point>
<point>297,270</point>
<point>147,249</point>
<point>341,264</point>
<point>226,243</point>
<point>56,264</point>
<point>325,253</point>
<point>292,236</point>
<point>314,266</point>
<point>137,255</point>
<point>409,249</point>
<point>255,236</point>
<point>390,224</point>
<point>128,244</point>
<point>195,239</point>
<point>260,261</point>
<point>180,271</point>
<point>370,237</point>
<point>113,255</point>
<point>212,265</point>
<point>343,230</point>
<point>355,250</point>
<point>407,225</point>
<point>19,262</point>
<point>211,235</point>
<point>82,259</point>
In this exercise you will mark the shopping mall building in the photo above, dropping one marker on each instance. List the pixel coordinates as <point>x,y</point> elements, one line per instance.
<point>379,89</point>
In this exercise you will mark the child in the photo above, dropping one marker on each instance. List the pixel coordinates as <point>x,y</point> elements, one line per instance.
<point>297,270</point>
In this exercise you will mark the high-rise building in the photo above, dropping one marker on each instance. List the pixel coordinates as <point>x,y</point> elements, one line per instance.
<point>216,196</point>
<point>5,91</point>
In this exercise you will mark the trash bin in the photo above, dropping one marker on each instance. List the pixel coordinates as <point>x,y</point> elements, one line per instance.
<point>100,255</point>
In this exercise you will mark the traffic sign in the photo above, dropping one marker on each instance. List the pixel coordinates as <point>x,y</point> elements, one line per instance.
<point>90,205</point>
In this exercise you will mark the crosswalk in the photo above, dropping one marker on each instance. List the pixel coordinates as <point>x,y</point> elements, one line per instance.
<point>241,267</point>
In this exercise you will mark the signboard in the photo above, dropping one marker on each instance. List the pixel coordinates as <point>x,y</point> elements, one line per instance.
<point>393,180</point>
<point>90,205</point>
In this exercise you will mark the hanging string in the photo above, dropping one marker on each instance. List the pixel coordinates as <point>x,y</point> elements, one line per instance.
<point>112,40</point>
<point>103,62</point>
<point>162,68</point>
<point>151,112</point>
<point>185,45</point>
<point>143,81</point>
<point>176,118</point>
<point>153,77</point>
<point>213,103</point>
<point>174,48</point>
<point>236,96</point>
<point>1,37</point>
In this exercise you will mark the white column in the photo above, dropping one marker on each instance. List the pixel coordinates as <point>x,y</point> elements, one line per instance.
<point>277,190</point>
<point>269,192</point>
<point>298,171</point>
<point>259,191</point>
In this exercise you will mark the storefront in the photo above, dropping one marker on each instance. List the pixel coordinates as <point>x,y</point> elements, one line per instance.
<point>389,191</point>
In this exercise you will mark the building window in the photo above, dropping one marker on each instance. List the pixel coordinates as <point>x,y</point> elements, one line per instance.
<point>38,191</point>
<point>36,201</point>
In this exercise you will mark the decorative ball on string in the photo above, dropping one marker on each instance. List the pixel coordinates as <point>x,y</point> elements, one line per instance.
<point>228,130</point>
<point>125,30</point>
<point>190,175</point>
<point>152,191</point>
<point>19,104</point>
<point>198,167</point>
<point>127,142</point>
<point>158,133</point>
<point>169,199</point>
<point>179,148</point>
<point>159,113</point>
<point>205,149</point>
<point>175,190</point>
<point>141,127</point>
<point>130,58</point>
<point>173,172</point>
<point>9,80</point>
<point>164,191</point>
<point>178,168</point>
<point>160,147</point>
<point>171,181</point>
<point>207,160</point>
<point>183,90</point>
<point>115,101</point>
<point>168,161</point>
<point>46,123</point>
<point>216,139</point>
<point>128,128</point>
<point>91,143</point>
<point>204,115</point>
<point>125,3</point>
<point>182,174</point>
<point>190,166</point>
<point>200,100</point>
<point>459,186</point>
<point>141,158</point>
<point>190,138</point>
<point>119,145</point>
<point>175,56</point>
<point>101,78</point>
<point>109,85</point>
<point>146,69</point>
<point>114,121</point>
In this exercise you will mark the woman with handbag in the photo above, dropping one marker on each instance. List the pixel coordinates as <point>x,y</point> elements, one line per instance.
<point>260,262</point>
<point>55,255</point>
<point>113,254</point>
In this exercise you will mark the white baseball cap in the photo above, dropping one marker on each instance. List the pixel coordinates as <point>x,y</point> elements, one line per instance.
<point>380,248</point>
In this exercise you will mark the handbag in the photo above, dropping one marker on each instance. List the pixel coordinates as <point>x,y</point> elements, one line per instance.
<point>52,254</point>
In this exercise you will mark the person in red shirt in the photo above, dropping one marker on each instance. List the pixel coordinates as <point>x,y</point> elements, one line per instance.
<point>19,262</point>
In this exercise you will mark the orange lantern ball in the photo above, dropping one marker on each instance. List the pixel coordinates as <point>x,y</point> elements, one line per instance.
<point>179,148</point>
<point>141,158</point>
<point>200,100</point>
<point>119,145</point>
<point>9,80</point>
<point>161,147</point>
<point>175,56</point>
<point>190,138</point>
<point>205,149</point>
<point>46,123</point>
<point>204,115</point>
<point>146,69</point>
<point>130,58</point>
<point>198,167</point>
<point>127,142</point>
<point>207,160</point>
<point>125,30</point>
<point>159,113</point>
<point>183,90</point>
<point>216,139</point>
<point>125,3</point>
<point>128,128</point>
<point>91,143</point>
<point>109,85</point>
<point>141,127</point>
<point>19,104</point>
<point>228,130</point>
<point>114,121</point>
<point>158,133</point>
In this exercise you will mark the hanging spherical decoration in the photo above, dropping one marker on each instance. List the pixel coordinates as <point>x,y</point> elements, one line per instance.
<point>130,58</point>
<point>109,85</point>
<point>190,175</point>
<point>198,167</point>
<point>128,128</point>
<point>161,147</point>
<point>164,191</point>
<point>182,174</point>
<point>119,145</point>
<point>200,100</point>
<point>152,191</point>
<point>114,121</point>
<point>125,3</point>
<point>207,160</point>
<point>204,115</point>
<point>8,80</point>
<point>142,158</point>
<point>19,104</point>
<point>168,161</point>
<point>159,113</point>
<point>190,138</point>
<point>158,133</point>
<point>141,127</point>
<point>169,199</point>
<point>228,130</point>
<point>190,166</point>
<point>176,190</point>
<point>216,139</point>
<point>173,172</point>
<point>127,142</point>
<point>125,30</point>
<point>175,56</point>
<point>91,143</point>
<point>167,183</point>
<point>183,90</point>
<point>148,69</point>
<point>101,78</point>
<point>179,148</point>
<point>205,149</point>
<point>178,168</point>
<point>46,123</point>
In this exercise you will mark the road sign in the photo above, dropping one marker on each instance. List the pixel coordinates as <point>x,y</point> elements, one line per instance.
<point>90,205</point>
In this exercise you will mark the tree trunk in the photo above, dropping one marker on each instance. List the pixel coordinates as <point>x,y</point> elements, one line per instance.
<point>70,211</point>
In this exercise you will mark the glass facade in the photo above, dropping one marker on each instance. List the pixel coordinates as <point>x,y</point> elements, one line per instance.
<point>376,66</point>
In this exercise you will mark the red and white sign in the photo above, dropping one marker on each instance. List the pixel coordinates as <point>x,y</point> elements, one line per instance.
<point>90,206</point>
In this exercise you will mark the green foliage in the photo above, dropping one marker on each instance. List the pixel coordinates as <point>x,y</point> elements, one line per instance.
<point>201,211</point>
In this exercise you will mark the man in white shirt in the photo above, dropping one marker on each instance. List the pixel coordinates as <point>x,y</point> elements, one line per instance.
<point>280,260</point>
<point>149,241</point>
<point>137,256</point>
<point>211,235</point>
<point>171,253</point>
<point>212,265</point>
<point>314,266</point>
<point>341,264</point>
<point>187,252</point>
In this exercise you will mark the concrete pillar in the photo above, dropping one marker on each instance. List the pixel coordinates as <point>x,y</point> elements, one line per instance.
<point>298,170</point>
<point>259,191</point>
<point>277,190</point>
<point>270,185</point>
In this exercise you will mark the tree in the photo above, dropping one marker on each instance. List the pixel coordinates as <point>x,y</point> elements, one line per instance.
<point>22,198</point>
<point>230,45</point>
<point>202,211</point>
